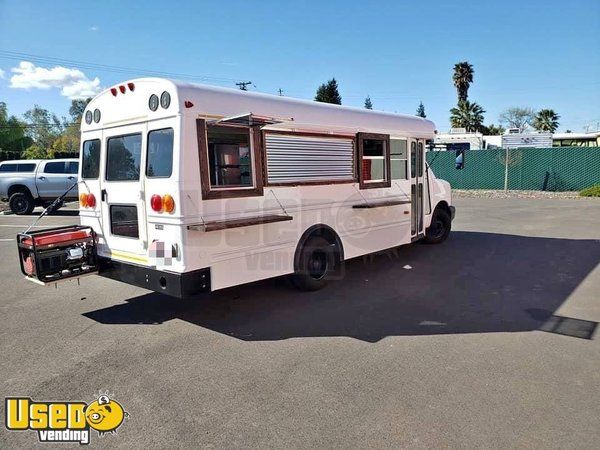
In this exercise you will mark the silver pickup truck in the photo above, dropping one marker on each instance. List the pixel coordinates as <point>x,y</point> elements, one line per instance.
<point>34,182</point>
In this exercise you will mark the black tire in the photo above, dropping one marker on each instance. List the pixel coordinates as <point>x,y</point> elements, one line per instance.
<point>317,264</point>
<point>440,227</point>
<point>21,203</point>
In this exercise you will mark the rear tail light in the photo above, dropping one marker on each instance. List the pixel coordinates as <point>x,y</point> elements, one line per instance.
<point>165,203</point>
<point>168,203</point>
<point>87,200</point>
<point>156,203</point>
<point>91,201</point>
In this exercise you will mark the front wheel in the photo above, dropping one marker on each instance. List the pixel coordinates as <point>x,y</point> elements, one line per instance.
<point>440,227</point>
<point>21,203</point>
<point>317,264</point>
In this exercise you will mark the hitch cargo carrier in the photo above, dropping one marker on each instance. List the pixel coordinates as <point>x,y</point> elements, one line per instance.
<point>56,254</point>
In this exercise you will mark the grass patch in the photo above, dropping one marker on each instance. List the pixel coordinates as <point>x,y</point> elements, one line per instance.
<point>592,191</point>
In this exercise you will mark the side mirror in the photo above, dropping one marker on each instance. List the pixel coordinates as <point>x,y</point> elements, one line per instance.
<point>460,159</point>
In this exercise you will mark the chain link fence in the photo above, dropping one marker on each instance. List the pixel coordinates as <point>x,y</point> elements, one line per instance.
<point>542,169</point>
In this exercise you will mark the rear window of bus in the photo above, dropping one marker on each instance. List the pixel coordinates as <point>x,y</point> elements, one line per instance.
<point>123,158</point>
<point>160,153</point>
<point>91,159</point>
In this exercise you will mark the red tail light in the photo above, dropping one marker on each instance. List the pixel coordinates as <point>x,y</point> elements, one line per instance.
<point>156,203</point>
<point>113,91</point>
<point>122,89</point>
<point>131,86</point>
<point>91,201</point>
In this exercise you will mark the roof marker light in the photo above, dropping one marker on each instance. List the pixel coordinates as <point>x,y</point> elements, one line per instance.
<point>122,89</point>
<point>131,86</point>
<point>113,91</point>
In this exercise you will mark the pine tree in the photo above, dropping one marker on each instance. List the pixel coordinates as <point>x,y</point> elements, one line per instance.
<point>368,103</point>
<point>328,93</point>
<point>421,110</point>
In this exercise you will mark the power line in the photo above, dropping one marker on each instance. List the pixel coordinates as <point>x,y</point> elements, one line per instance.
<point>5,54</point>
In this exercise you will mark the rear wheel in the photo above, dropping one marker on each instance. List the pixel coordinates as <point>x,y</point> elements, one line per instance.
<point>317,264</point>
<point>440,227</point>
<point>21,203</point>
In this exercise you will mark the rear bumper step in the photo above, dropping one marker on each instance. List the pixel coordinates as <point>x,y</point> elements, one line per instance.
<point>180,285</point>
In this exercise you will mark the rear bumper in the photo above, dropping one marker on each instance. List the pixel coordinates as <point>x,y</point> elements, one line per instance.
<point>452,212</point>
<point>180,285</point>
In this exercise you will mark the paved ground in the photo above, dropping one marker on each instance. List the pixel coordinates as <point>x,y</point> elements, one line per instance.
<point>488,342</point>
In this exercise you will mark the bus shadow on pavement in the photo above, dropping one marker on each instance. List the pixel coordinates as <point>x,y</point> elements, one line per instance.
<point>473,283</point>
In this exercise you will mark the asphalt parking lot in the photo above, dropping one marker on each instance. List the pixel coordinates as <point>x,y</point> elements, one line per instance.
<point>488,341</point>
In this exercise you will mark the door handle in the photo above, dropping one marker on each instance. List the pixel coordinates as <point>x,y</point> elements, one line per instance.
<point>41,178</point>
<point>104,195</point>
<point>70,178</point>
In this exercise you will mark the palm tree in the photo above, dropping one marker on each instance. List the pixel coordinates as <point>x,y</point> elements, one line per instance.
<point>467,115</point>
<point>462,77</point>
<point>546,120</point>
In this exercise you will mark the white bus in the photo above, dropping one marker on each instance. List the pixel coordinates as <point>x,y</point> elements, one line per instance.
<point>193,188</point>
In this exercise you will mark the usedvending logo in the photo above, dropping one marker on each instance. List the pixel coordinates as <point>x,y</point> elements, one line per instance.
<point>64,421</point>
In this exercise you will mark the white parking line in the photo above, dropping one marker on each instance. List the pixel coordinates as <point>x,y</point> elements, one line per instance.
<point>8,240</point>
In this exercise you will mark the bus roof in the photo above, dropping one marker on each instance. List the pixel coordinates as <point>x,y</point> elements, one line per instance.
<point>117,107</point>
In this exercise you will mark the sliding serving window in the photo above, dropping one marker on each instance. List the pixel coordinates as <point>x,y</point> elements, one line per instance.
<point>374,160</point>
<point>229,161</point>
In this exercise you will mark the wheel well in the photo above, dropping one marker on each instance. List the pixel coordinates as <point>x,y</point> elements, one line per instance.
<point>18,188</point>
<point>325,232</point>
<point>443,206</point>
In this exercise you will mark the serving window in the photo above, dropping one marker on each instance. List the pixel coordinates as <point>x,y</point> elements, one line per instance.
<point>374,160</point>
<point>230,161</point>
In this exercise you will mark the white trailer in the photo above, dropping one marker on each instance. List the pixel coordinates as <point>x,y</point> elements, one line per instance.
<point>192,188</point>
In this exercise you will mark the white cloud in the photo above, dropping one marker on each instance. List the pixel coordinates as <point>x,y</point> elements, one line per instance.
<point>1,73</point>
<point>73,83</point>
<point>94,28</point>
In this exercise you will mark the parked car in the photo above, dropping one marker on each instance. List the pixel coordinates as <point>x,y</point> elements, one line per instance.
<point>30,183</point>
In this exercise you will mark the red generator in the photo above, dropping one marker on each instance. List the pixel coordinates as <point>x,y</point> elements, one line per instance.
<point>55,254</point>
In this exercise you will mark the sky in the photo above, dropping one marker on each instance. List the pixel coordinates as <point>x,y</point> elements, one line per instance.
<point>541,54</point>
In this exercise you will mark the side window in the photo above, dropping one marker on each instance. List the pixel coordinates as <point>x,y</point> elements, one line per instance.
<point>230,160</point>
<point>123,157</point>
<point>55,167</point>
<point>399,159</point>
<point>26,167</point>
<point>374,160</point>
<point>160,153</point>
<point>420,156</point>
<point>73,168</point>
<point>8,168</point>
<point>90,159</point>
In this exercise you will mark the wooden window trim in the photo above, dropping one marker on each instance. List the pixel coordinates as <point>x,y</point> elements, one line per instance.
<point>360,137</point>
<point>307,134</point>
<point>256,148</point>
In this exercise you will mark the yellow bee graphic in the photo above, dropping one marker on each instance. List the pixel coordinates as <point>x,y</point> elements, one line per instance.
<point>105,415</point>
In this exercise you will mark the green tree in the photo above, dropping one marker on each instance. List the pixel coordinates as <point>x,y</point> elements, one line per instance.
<point>43,127</point>
<point>328,93</point>
<point>462,78</point>
<point>368,103</point>
<point>35,152</point>
<point>77,108</point>
<point>492,130</point>
<point>421,110</point>
<point>517,117</point>
<point>13,141</point>
<point>546,120</point>
<point>467,115</point>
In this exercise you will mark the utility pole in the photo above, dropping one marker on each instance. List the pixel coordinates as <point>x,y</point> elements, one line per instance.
<point>243,85</point>
<point>280,92</point>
